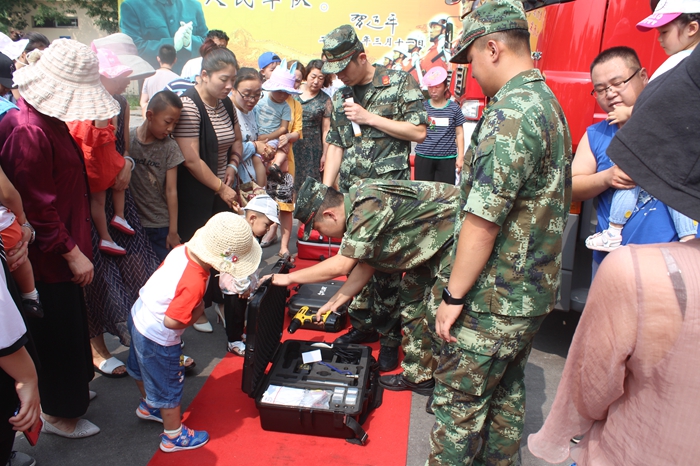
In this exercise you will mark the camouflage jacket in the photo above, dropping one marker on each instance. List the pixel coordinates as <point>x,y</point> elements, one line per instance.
<point>518,176</point>
<point>375,154</point>
<point>398,225</point>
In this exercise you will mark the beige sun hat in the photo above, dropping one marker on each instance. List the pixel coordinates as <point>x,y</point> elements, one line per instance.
<point>227,244</point>
<point>65,84</point>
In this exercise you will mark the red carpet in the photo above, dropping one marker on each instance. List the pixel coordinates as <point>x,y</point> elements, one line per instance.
<point>231,419</point>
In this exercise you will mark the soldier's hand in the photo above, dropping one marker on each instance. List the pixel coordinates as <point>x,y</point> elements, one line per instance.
<point>357,114</point>
<point>446,316</point>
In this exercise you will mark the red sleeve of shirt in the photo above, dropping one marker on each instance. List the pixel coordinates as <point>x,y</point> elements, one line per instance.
<point>188,293</point>
<point>27,158</point>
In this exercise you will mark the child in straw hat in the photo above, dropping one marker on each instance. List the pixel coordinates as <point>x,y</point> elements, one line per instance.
<point>171,301</point>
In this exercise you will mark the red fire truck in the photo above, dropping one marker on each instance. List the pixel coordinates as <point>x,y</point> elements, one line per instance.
<point>566,35</point>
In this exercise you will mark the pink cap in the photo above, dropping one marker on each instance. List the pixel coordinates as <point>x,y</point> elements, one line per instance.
<point>110,66</point>
<point>434,76</point>
<point>666,11</point>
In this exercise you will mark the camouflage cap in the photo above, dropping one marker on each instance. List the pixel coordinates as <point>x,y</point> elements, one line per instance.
<point>309,200</point>
<point>338,47</point>
<point>491,16</point>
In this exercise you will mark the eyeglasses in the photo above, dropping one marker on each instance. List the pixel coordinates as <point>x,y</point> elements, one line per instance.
<point>616,87</point>
<point>251,98</point>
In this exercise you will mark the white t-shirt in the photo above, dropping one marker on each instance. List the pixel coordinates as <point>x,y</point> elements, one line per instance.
<point>192,68</point>
<point>670,63</point>
<point>174,290</point>
<point>158,81</point>
<point>11,324</point>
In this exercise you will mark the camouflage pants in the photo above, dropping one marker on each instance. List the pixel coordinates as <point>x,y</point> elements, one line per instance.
<point>375,308</point>
<point>480,391</point>
<point>421,294</point>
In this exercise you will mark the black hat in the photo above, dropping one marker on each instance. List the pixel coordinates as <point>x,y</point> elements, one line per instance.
<point>7,67</point>
<point>659,147</point>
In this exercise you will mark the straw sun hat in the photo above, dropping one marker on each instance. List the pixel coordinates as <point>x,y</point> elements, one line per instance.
<point>226,243</point>
<point>65,84</point>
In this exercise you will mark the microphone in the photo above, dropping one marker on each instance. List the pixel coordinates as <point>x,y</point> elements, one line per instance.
<point>348,97</point>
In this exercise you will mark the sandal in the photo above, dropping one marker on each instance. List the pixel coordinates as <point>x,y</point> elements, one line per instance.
<point>108,366</point>
<point>275,174</point>
<point>237,348</point>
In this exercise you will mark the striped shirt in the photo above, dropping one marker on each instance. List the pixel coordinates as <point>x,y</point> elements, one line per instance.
<point>441,139</point>
<point>190,120</point>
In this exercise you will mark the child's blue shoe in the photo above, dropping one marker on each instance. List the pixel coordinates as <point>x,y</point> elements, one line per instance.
<point>188,439</point>
<point>149,414</point>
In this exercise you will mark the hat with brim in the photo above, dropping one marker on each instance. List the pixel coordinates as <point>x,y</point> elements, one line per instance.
<point>659,147</point>
<point>265,205</point>
<point>309,200</point>
<point>6,70</point>
<point>281,80</point>
<point>226,243</point>
<point>490,17</point>
<point>267,59</point>
<point>339,45</point>
<point>434,76</point>
<point>666,11</point>
<point>11,48</point>
<point>65,84</point>
<point>124,48</point>
<point>110,66</point>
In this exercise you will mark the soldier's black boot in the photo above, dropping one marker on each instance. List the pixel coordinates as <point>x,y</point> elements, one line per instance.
<point>388,358</point>
<point>357,336</point>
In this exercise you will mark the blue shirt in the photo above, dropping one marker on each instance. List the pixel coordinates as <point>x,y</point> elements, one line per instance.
<point>650,222</point>
<point>441,139</point>
<point>269,114</point>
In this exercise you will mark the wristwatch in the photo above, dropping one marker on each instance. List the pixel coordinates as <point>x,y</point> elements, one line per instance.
<point>32,230</point>
<point>449,299</point>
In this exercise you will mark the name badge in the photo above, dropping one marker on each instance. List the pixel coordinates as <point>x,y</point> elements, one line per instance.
<point>441,121</point>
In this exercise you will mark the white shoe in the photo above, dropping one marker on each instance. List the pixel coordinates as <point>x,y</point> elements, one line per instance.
<point>219,308</point>
<point>83,428</point>
<point>204,328</point>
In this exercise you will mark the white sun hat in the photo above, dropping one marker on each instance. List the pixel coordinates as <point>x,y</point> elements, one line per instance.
<point>226,243</point>
<point>65,84</point>
<point>282,79</point>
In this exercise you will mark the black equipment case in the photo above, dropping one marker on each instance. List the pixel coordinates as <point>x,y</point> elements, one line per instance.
<point>314,295</point>
<point>331,397</point>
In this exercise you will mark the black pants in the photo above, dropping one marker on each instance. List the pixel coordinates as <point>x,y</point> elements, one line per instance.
<point>63,346</point>
<point>442,170</point>
<point>234,311</point>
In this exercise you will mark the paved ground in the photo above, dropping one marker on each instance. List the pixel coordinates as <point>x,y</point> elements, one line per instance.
<point>126,440</point>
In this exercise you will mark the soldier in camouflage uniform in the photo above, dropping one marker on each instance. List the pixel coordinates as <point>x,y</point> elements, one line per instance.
<point>505,273</point>
<point>386,226</point>
<point>389,109</point>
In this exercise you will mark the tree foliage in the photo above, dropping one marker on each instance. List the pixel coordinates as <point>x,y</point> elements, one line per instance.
<point>14,13</point>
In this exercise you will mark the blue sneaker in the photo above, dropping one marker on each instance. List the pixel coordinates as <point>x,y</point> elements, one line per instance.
<point>149,414</point>
<point>187,440</point>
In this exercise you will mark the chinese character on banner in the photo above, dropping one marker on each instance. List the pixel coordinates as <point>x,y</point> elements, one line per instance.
<point>366,40</point>
<point>219,2</point>
<point>388,41</point>
<point>376,23</point>
<point>272,3</point>
<point>392,22</point>
<point>399,41</point>
<point>377,41</point>
<point>248,3</point>
<point>296,3</point>
<point>358,19</point>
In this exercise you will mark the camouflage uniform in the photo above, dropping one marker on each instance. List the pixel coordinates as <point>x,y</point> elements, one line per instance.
<point>518,176</point>
<point>400,226</point>
<point>374,155</point>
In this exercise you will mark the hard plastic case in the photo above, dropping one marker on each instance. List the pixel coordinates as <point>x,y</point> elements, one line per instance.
<point>317,247</point>
<point>313,295</point>
<point>344,415</point>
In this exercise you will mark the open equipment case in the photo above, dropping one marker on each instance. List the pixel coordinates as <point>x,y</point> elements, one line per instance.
<point>330,394</point>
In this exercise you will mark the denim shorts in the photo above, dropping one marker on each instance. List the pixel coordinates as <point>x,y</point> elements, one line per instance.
<point>160,368</point>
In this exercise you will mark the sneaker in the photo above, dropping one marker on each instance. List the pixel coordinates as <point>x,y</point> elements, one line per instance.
<point>147,413</point>
<point>604,241</point>
<point>122,225</point>
<point>111,248</point>
<point>388,358</point>
<point>357,336</point>
<point>188,439</point>
<point>236,347</point>
<point>275,174</point>
<point>17,458</point>
<point>33,308</point>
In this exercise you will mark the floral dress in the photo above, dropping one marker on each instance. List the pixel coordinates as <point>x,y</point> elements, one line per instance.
<point>308,151</point>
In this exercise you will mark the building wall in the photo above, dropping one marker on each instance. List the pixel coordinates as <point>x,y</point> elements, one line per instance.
<point>86,31</point>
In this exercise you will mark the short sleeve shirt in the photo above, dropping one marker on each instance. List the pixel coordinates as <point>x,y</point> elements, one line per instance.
<point>376,155</point>
<point>398,225</point>
<point>518,176</point>
<point>270,114</point>
<point>441,139</point>
<point>148,178</point>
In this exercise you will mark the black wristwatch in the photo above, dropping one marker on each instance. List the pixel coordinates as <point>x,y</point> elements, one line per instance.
<point>449,299</point>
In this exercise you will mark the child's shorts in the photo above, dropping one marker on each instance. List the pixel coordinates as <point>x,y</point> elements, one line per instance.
<point>11,235</point>
<point>161,368</point>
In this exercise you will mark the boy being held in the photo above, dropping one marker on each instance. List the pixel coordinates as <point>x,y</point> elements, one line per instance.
<point>273,115</point>
<point>154,180</point>
<point>169,302</point>
<point>678,24</point>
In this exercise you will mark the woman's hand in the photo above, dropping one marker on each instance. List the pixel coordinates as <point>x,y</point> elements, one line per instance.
<point>230,176</point>
<point>80,265</point>
<point>230,197</point>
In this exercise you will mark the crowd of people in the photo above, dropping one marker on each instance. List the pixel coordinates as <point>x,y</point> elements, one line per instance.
<point>460,278</point>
